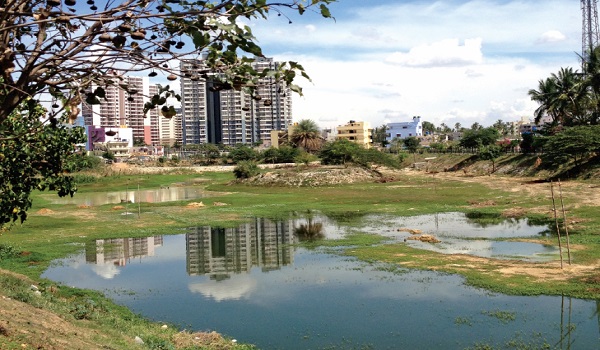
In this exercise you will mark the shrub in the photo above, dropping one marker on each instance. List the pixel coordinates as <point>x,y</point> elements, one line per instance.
<point>305,158</point>
<point>246,169</point>
<point>8,251</point>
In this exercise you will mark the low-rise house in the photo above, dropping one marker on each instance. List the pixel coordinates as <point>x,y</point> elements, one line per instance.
<point>402,130</point>
<point>357,132</point>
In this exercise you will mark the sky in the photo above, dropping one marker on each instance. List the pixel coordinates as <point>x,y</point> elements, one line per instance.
<point>452,61</point>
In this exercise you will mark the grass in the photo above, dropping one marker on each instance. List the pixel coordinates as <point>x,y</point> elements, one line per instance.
<point>54,231</point>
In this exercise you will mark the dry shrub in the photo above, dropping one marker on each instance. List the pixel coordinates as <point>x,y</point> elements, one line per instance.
<point>489,203</point>
<point>202,340</point>
<point>45,211</point>
<point>516,212</point>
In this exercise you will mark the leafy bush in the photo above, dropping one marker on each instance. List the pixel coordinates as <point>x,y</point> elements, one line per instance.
<point>340,151</point>
<point>573,144</point>
<point>367,157</point>
<point>246,169</point>
<point>242,153</point>
<point>283,154</point>
<point>305,158</point>
<point>81,162</point>
<point>8,251</point>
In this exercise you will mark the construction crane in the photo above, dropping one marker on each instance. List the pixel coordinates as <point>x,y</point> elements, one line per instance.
<point>590,28</point>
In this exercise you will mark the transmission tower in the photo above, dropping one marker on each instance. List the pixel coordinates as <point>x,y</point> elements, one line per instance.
<point>590,28</point>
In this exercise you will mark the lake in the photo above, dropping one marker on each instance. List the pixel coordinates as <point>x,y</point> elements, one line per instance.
<point>251,284</point>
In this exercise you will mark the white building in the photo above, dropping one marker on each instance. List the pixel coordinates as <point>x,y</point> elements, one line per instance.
<point>403,130</point>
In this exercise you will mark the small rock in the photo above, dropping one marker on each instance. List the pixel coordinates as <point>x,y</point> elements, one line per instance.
<point>138,340</point>
<point>164,326</point>
<point>37,293</point>
<point>34,287</point>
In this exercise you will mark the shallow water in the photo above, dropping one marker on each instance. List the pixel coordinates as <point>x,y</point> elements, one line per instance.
<point>168,194</point>
<point>249,283</point>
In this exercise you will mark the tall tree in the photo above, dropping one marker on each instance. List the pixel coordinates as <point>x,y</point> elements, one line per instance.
<point>562,97</point>
<point>380,135</point>
<point>36,160</point>
<point>412,144</point>
<point>428,127</point>
<point>479,138</point>
<point>59,53</point>
<point>307,136</point>
<point>58,50</point>
<point>476,126</point>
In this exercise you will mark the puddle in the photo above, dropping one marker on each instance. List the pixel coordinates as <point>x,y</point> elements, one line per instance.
<point>175,193</point>
<point>249,283</point>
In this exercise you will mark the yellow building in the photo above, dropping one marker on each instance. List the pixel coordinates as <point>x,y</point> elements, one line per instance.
<point>358,132</point>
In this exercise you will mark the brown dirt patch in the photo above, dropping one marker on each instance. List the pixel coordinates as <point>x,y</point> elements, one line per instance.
<point>195,205</point>
<point>547,271</point>
<point>488,203</point>
<point>35,328</point>
<point>45,211</point>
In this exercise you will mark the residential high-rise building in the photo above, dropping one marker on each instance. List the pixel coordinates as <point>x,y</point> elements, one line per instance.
<point>126,110</point>
<point>211,114</point>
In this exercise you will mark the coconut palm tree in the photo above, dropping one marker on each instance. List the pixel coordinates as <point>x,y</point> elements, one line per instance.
<point>546,96</point>
<point>562,97</point>
<point>307,136</point>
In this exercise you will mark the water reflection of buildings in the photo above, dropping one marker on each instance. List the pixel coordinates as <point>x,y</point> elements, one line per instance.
<point>119,251</point>
<point>220,252</point>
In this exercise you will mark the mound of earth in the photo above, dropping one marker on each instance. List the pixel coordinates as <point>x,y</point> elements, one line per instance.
<point>314,177</point>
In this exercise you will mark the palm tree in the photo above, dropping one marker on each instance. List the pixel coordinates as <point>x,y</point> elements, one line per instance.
<point>306,135</point>
<point>562,97</point>
<point>476,126</point>
<point>545,95</point>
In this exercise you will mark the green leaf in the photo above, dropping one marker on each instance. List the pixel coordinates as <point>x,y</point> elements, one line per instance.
<point>325,11</point>
<point>99,92</point>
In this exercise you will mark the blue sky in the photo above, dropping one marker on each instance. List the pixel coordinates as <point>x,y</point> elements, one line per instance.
<point>446,61</point>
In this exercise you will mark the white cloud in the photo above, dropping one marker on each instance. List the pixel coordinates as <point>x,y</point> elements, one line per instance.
<point>445,53</point>
<point>235,288</point>
<point>552,36</point>
<point>392,60</point>
<point>106,271</point>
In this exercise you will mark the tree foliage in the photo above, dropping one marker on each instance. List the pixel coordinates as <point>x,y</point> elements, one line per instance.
<point>412,144</point>
<point>490,152</point>
<point>246,169</point>
<point>283,154</point>
<point>338,152</point>
<point>478,138</point>
<point>61,50</point>
<point>573,144</point>
<point>380,136</point>
<point>243,152</point>
<point>428,127</point>
<point>34,160</point>
<point>306,135</point>
<point>343,152</point>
